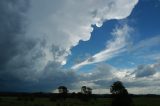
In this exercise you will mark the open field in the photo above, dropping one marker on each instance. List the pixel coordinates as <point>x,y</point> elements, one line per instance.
<point>12,101</point>
<point>146,101</point>
<point>52,101</point>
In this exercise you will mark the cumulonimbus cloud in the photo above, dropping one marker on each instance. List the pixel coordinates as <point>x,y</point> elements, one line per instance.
<point>36,34</point>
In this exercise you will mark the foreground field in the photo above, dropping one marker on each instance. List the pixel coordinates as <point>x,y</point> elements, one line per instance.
<point>24,101</point>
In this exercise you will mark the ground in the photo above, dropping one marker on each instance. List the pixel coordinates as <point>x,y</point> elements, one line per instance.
<point>49,101</point>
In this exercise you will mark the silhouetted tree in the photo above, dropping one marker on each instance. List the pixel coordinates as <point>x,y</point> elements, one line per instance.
<point>117,87</point>
<point>120,95</point>
<point>62,92</point>
<point>85,94</point>
<point>86,90</point>
<point>62,89</point>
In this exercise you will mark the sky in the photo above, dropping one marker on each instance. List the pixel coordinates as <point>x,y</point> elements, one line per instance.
<point>75,43</point>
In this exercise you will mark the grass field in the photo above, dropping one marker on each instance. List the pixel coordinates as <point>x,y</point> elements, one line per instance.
<point>24,101</point>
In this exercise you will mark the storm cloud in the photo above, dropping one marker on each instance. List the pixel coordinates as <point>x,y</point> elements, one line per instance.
<point>34,45</point>
<point>11,28</point>
<point>22,66</point>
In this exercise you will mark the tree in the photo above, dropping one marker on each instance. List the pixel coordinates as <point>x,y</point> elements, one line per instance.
<point>62,89</point>
<point>86,90</point>
<point>117,88</point>
<point>120,95</point>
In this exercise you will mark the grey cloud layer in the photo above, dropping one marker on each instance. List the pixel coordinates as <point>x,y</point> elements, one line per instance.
<point>142,76</point>
<point>145,71</point>
<point>12,24</point>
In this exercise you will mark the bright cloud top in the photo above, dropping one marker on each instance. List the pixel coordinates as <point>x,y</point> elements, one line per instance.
<point>114,47</point>
<point>65,22</point>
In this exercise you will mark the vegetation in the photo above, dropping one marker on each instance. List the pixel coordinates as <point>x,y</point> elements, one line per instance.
<point>62,89</point>
<point>117,88</point>
<point>119,97</point>
<point>49,101</point>
<point>86,90</point>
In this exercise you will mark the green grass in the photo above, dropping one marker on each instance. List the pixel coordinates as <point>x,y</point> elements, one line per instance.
<point>24,101</point>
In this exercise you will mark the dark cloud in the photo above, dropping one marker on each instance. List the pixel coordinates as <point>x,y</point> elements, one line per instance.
<point>11,27</point>
<point>145,71</point>
<point>54,75</point>
<point>12,42</point>
<point>48,79</point>
<point>22,66</point>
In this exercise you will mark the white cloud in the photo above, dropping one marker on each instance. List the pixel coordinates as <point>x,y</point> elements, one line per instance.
<point>114,47</point>
<point>101,78</point>
<point>65,22</point>
<point>144,90</point>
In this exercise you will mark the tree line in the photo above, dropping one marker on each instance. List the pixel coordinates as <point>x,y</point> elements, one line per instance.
<point>119,94</point>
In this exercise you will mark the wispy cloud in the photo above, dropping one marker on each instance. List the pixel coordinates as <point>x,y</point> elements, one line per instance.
<point>147,49</point>
<point>147,43</point>
<point>113,48</point>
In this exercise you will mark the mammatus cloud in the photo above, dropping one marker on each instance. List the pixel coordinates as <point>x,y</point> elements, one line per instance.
<point>114,47</point>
